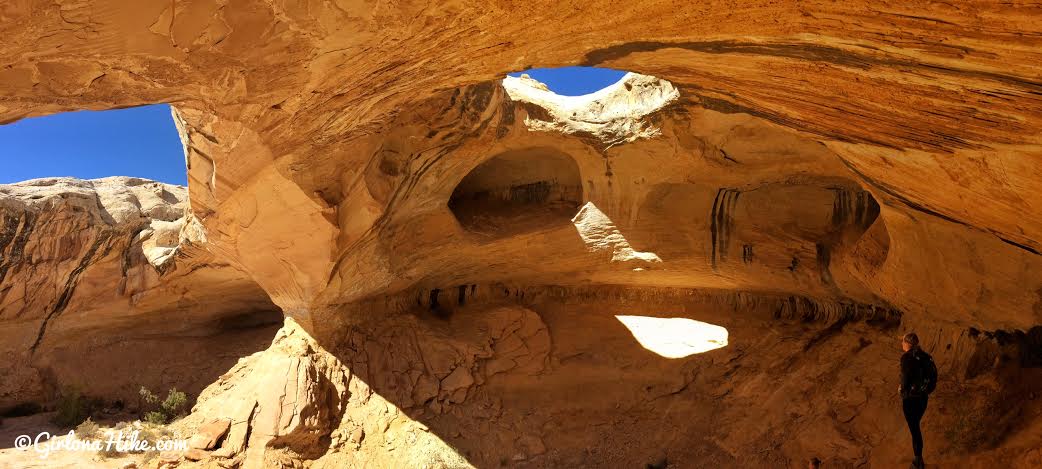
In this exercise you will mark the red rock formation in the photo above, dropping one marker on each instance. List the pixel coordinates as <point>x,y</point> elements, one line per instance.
<point>103,278</point>
<point>815,177</point>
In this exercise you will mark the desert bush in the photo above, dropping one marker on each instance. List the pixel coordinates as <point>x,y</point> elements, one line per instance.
<point>147,396</point>
<point>155,418</point>
<point>109,452</point>
<point>72,408</point>
<point>165,410</point>
<point>174,403</point>
<point>88,430</point>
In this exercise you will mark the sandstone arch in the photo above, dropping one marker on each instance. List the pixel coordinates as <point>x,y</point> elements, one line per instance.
<point>324,144</point>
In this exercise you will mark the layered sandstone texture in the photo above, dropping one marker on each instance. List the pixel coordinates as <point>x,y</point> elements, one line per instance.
<point>453,250</point>
<point>107,278</point>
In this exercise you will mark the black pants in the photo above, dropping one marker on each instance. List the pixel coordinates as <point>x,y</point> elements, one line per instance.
<point>914,408</point>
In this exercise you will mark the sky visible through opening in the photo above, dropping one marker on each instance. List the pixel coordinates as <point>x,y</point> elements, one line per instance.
<point>140,142</point>
<point>574,81</point>
<point>143,142</point>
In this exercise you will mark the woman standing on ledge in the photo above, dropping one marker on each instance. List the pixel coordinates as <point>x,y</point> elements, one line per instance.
<point>918,380</point>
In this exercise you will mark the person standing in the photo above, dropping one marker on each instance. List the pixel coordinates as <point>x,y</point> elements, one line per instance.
<point>918,380</point>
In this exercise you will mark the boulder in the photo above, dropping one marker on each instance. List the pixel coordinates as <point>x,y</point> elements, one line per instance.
<point>196,454</point>
<point>210,434</point>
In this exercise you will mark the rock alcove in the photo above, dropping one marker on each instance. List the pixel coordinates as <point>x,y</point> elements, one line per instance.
<point>815,179</point>
<point>518,191</point>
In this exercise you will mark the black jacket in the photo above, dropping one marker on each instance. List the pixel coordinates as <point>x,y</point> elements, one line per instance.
<point>913,367</point>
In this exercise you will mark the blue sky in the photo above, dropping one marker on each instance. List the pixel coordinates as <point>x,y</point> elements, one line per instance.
<point>140,141</point>
<point>574,81</point>
<point>143,142</point>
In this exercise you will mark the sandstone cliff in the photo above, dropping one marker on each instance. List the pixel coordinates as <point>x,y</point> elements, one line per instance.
<point>451,249</point>
<point>104,278</point>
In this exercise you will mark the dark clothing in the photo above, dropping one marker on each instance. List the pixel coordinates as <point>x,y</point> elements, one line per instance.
<point>914,408</point>
<point>913,367</point>
<point>916,368</point>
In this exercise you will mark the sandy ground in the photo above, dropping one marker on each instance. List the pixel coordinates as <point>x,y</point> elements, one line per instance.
<point>32,425</point>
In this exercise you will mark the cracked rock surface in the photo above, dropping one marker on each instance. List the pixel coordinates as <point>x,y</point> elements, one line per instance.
<point>447,250</point>
<point>101,276</point>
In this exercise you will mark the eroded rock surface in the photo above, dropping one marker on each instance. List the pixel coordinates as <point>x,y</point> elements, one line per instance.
<point>450,248</point>
<point>109,278</point>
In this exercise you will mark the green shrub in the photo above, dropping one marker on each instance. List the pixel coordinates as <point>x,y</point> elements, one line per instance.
<point>73,409</point>
<point>165,410</point>
<point>147,395</point>
<point>174,402</point>
<point>155,417</point>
